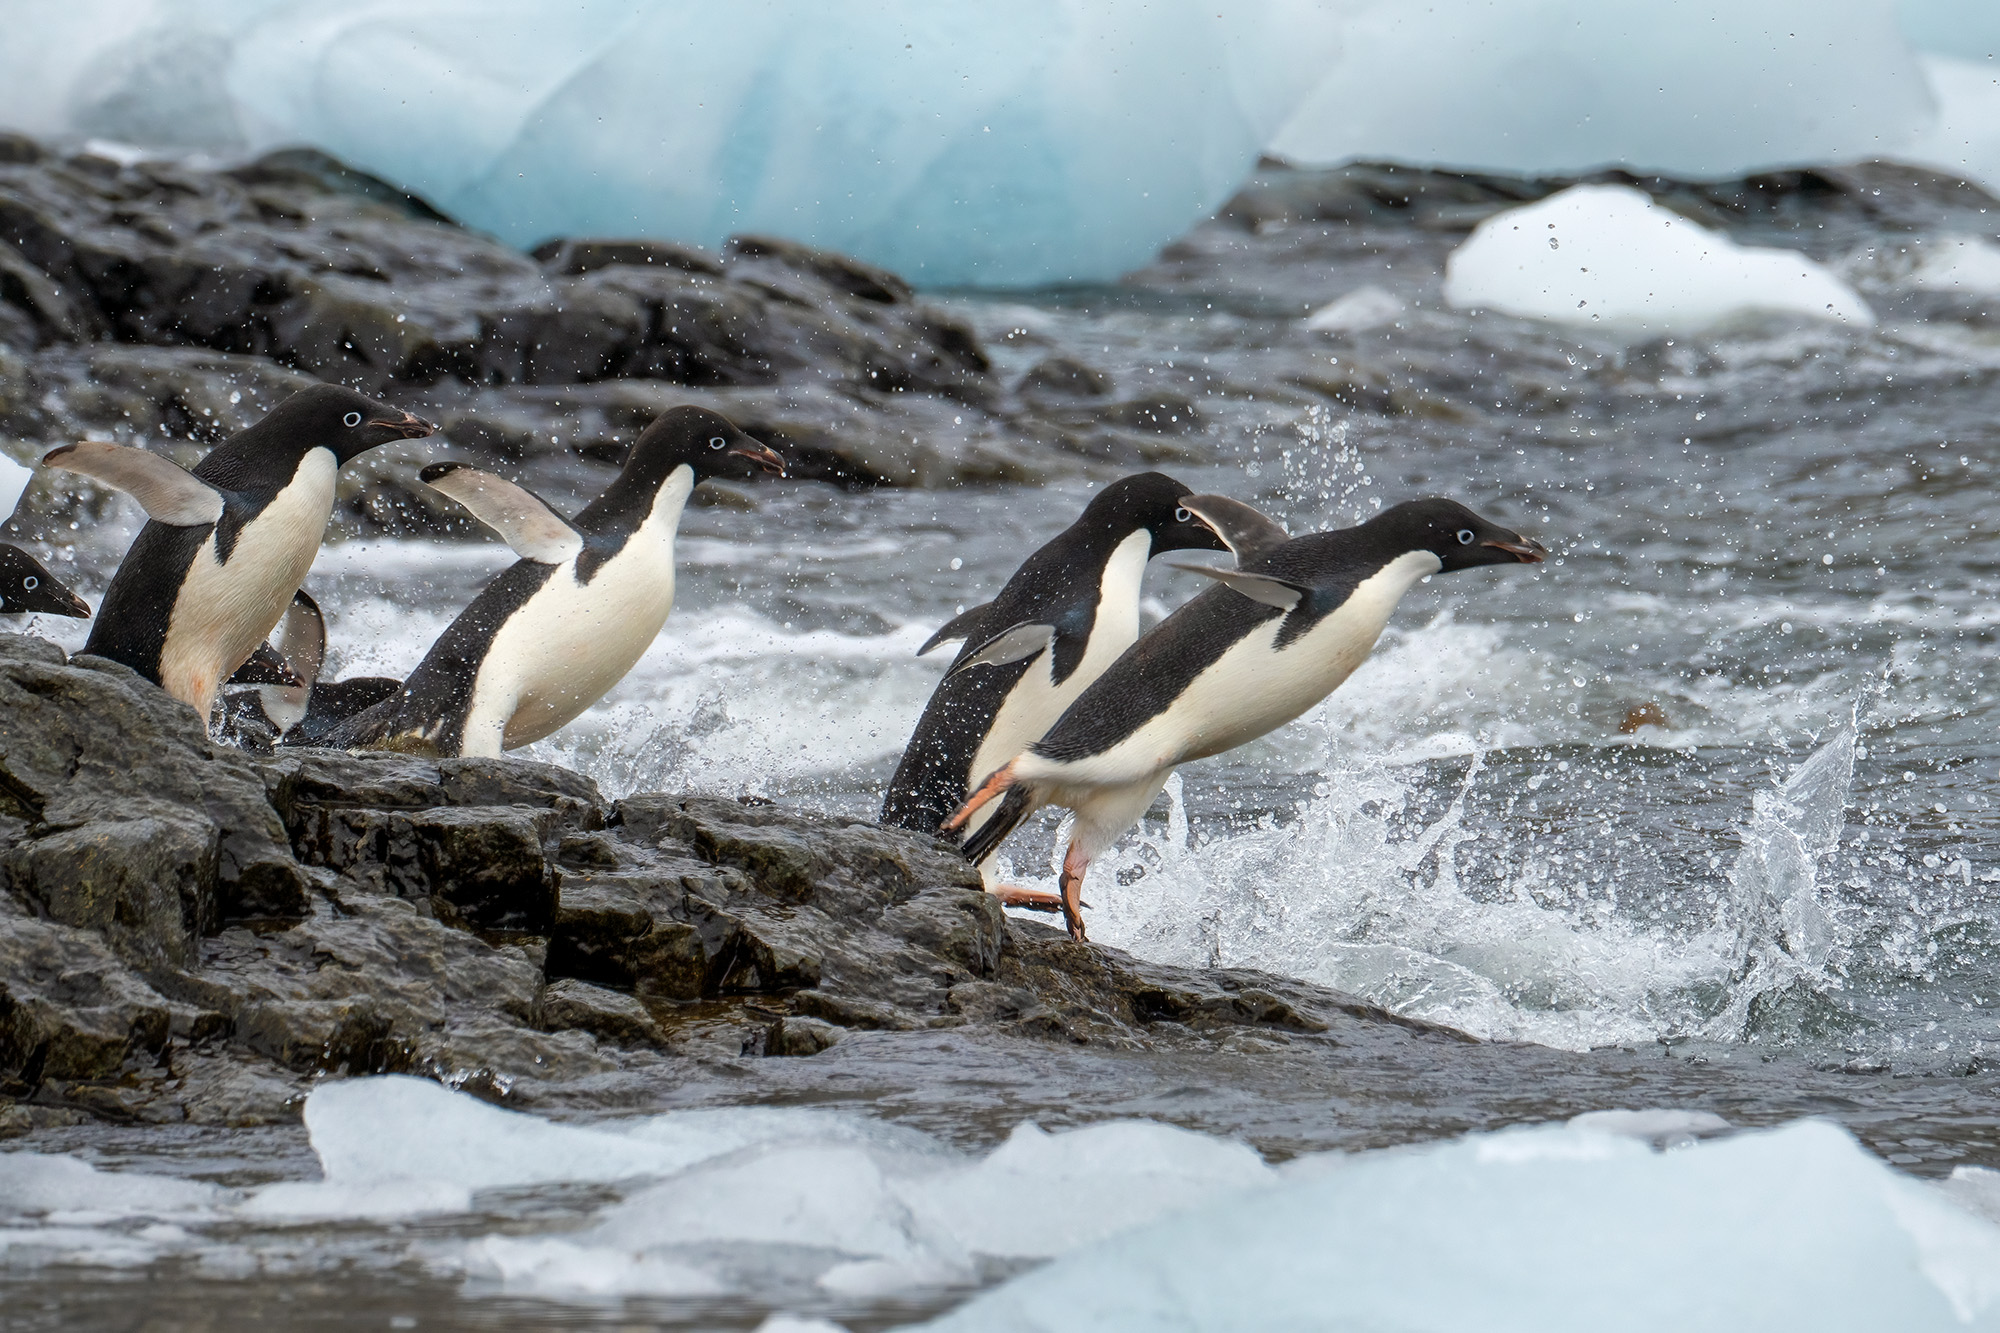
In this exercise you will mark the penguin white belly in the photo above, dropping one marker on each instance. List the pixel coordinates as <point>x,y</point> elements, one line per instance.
<point>1034,704</point>
<point>572,641</point>
<point>1253,688</point>
<point>224,610</point>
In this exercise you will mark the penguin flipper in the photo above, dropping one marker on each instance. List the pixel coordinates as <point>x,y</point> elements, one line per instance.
<point>1013,644</point>
<point>1257,587</point>
<point>170,493</point>
<point>523,520</point>
<point>961,626</point>
<point>1246,530</point>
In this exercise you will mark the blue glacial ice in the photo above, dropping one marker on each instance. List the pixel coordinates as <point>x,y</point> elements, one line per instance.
<point>1041,141</point>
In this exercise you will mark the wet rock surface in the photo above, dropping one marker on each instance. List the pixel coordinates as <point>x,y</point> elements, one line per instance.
<point>189,935</point>
<point>172,303</point>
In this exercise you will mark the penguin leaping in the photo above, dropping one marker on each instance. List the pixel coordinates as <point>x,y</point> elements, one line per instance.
<point>547,637</point>
<point>230,542</point>
<point>1066,614</point>
<point>1277,635</point>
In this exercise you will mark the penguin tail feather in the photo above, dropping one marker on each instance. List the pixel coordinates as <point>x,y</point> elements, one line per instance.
<point>1015,807</point>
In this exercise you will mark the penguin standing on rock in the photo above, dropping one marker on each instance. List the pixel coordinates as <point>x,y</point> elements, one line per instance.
<point>1065,615</point>
<point>1281,633</point>
<point>228,543</point>
<point>548,636</point>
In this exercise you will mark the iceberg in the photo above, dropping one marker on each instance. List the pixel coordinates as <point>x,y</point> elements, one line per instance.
<point>1052,140</point>
<point>1543,1230</point>
<point>1608,257</point>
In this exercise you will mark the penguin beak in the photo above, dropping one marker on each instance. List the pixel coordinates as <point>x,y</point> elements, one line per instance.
<point>1525,549</point>
<point>70,605</point>
<point>763,457</point>
<point>409,426</point>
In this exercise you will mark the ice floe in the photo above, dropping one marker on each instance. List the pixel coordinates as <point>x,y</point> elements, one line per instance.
<point>1607,256</point>
<point>1543,1229</point>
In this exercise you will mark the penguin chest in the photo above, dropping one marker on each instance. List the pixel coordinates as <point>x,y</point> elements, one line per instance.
<point>572,641</point>
<point>225,607</point>
<point>1038,699</point>
<point>1259,684</point>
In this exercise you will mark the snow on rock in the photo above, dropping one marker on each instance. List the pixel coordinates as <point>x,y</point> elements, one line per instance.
<point>1546,1230</point>
<point>1042,141</point>
<point>1608,257</point>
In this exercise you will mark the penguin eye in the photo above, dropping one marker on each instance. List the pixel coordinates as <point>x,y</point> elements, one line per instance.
<point>31,583</point>
<point>352,418</point>
<point>1182,515</point>
<point>1465,536</point>
<point>716,442</point>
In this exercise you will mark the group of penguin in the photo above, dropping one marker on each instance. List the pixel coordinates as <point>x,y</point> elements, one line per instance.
<point>1055,697</point>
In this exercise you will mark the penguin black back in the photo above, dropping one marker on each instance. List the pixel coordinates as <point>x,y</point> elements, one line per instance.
<point>1062,587</point>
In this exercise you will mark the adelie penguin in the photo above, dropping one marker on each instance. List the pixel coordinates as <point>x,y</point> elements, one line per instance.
<point>228,543</point>
<point>548,636</point>
<point>1066,614</point>
<point>1241,659</point>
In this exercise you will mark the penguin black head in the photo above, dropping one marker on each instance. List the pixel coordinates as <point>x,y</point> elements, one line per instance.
<point>328,416</point>
<point>704,441</point>
<point>1152,501</point>
<point>26,588</point>
<point>1458,537</point>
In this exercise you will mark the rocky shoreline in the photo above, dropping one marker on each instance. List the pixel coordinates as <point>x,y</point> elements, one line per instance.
<point>194,934</point>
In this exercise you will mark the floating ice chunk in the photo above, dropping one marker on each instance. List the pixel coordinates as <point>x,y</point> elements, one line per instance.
<point>1548,1230</point>
<point>1608,257</point>
<point>1040,1194</point>
<point>66,1191</point>
<point>394,1128</point>
<point>791,1323</point>
<point>1699,88</point>
<point>377,1200</point>
<point>1363,308</point>
<point>1977,1189</point>
<point>562,1268</point>
<point>1652,1125</point>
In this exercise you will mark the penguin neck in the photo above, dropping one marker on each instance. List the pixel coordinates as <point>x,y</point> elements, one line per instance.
<point>625,508</point>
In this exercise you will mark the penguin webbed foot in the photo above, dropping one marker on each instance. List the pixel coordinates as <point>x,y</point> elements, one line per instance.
<point>1034,900</point>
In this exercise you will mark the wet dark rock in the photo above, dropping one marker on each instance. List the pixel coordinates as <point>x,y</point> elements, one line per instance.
<point>190,933</point>
<point>610,1014</point>
<point>173,303</point>
<point>1061,377</point>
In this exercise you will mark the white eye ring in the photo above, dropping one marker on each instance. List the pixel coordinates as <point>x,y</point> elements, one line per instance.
<point>716,442</point>
<point>1183,515</point>
<point>352,418</point>
<point>31,583</point>
<point>1465,536</point>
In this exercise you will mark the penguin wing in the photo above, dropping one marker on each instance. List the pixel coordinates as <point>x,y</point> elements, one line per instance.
<point>1009,645</point>
<point>170,493</point>
<point>1248,532</point>
<point>961,626</point>
<point>1257,587</point>
<point>524,522</point>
